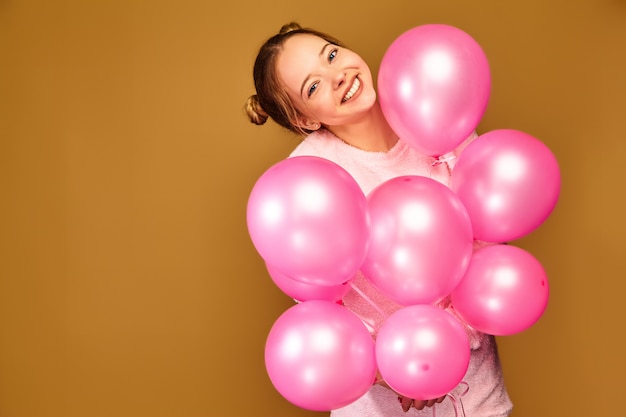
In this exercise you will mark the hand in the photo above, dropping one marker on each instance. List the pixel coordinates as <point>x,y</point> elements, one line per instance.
<point>407,403</point>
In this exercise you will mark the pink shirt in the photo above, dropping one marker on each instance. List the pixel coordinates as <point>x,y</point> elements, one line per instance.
<point>487,396</point>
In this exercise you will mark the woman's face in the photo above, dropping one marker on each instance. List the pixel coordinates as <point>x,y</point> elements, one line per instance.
<point>328,84</point>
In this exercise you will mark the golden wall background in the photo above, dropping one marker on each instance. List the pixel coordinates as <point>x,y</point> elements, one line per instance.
<point>128,284</point>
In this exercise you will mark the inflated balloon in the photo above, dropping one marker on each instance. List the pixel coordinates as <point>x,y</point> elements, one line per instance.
<point>509,182</point>
<point>308,218</point>
<point>422,352</point>
<point>421,240</point>
<point>319,356</point>
<point>434,85</point>
<point>504,291</point>
<point>302,291</point>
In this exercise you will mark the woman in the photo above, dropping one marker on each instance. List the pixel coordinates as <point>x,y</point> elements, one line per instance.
<point>311,84</point>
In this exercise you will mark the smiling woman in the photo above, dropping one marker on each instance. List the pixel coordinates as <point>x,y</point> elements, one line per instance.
<point>309,83</point>
<point>271,100</point>
<point>329,85</point>
<point>307,80</point>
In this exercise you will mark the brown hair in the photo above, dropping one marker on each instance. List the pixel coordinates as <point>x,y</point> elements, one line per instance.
<point>271,99</point>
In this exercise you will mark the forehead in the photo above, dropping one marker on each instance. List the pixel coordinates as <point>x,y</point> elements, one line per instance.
<point>299,56</point>
<point>302,44</point>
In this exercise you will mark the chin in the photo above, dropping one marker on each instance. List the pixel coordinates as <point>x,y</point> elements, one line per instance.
<point>368,98</point>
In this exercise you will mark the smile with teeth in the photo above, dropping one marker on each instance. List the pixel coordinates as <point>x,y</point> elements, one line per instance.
<point>355,87</point>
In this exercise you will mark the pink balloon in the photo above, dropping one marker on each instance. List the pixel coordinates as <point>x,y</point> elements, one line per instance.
<point>509,182</point>
<point>504,291</point>
<point>320,356</point>
<point>434,85</point>
<point>421,240</point>
<point>422,351</point>
<point>308,218</point>
<point>302,291</point>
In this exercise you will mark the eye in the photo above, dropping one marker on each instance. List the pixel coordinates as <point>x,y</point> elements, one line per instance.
<point>332,55</point>
<point>312,89</point>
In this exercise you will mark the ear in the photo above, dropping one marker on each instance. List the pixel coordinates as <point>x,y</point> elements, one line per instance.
<point>309,124</point>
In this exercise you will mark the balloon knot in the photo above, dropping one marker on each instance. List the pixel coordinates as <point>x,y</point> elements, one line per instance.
<point>444,159</point>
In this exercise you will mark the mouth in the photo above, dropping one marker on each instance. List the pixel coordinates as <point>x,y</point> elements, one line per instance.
<point>352,91</point>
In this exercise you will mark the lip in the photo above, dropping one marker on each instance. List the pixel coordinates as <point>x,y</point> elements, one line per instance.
<point>356,93</point>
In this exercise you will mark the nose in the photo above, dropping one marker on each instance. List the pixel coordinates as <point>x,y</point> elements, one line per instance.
<point>339,78</point>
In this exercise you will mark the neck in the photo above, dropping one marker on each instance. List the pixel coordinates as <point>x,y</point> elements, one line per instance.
<point>372,133</point>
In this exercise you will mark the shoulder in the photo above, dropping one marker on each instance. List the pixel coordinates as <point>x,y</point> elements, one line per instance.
<point>321,143</point>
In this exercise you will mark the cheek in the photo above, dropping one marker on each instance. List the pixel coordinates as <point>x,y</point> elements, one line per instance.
<point>316,112</point>
<point>322,105</point>
<point>298,104</point>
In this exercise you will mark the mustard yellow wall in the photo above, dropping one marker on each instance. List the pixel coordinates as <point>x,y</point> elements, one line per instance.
<point>128,284</point>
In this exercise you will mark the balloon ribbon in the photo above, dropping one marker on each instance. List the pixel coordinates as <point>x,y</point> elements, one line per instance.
<point>457,403</point>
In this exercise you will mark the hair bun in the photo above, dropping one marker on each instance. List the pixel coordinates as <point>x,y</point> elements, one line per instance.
<point>255,111</point>
<point>289,27</point>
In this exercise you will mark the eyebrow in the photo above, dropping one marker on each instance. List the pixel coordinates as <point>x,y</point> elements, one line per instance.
<point>321,54</point>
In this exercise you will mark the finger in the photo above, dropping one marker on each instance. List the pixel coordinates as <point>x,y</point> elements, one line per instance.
<point>405,402</point>
<point>440,399</point>
<point>419,404</point>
